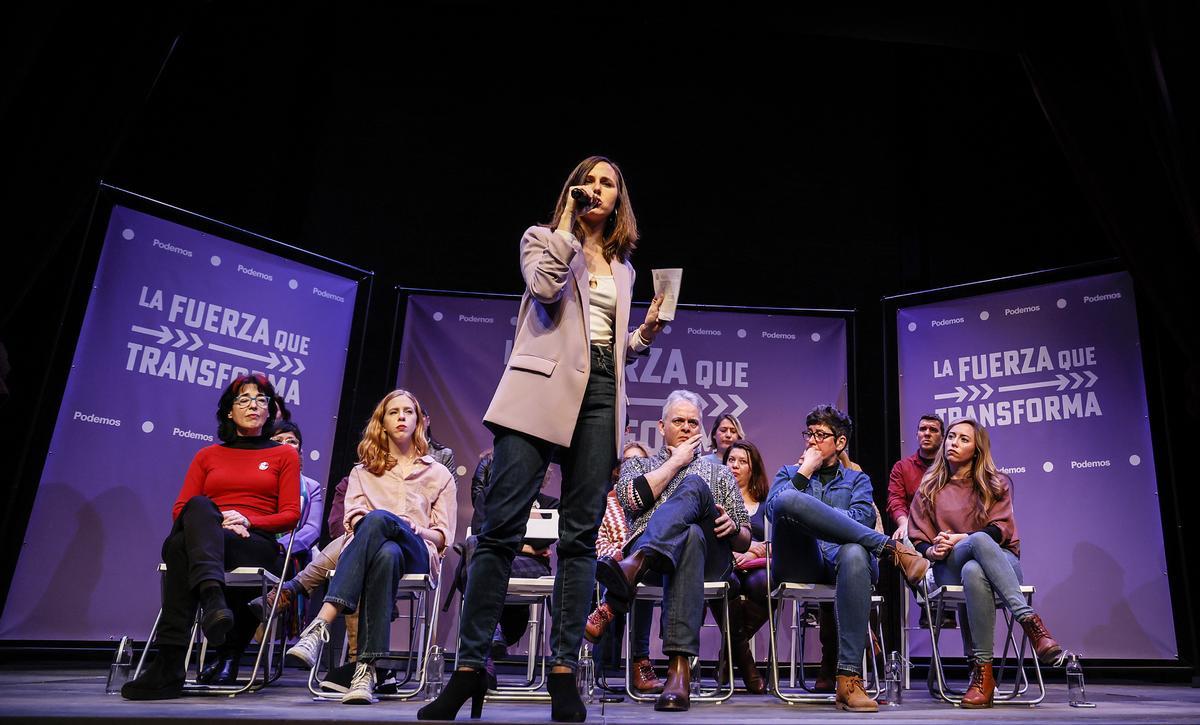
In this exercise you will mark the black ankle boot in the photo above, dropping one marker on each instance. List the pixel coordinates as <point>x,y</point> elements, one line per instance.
<point>463,685</point>
<point>223,670</point>
<point>565,703</point>
<point>218,617</point>
<point>162,680</point>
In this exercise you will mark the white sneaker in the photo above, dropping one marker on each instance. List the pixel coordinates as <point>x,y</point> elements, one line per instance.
<point>312,639</point>
<point>362,687</point>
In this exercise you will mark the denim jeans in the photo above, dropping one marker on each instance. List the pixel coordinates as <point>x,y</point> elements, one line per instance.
<point>990,576</point>
<point>818,544</point>
<point>518,466</point>
<point>680,545</point>
<point>383,549</point>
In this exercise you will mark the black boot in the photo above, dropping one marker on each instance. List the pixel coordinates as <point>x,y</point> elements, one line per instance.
<point>218,617</point>
<point>162,680</point>
<point>463,685</point>
<point>223,670</point>
<point>565,703</point>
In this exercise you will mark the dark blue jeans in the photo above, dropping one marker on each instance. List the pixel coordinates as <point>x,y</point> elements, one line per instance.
<point>518,467</point>
<point>817,544</point>
<point>383,550</point>
<point>680,545</point>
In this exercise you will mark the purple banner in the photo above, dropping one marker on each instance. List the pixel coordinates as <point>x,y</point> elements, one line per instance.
<point>768,369</point>
<point>174,315</point>
<point>1054,372</point>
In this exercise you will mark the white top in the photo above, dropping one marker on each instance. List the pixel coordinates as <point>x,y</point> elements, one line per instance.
<point>602,309</point>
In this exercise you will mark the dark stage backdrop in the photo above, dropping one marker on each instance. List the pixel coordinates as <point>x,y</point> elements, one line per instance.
<point>1054,372</point>
<point>174,314</point>
<point>767,368</point>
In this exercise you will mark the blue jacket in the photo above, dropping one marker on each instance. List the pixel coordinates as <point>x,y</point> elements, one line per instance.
<point>849,491</point>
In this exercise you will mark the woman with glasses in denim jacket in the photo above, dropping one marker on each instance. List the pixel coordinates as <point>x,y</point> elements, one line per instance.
<point>236,497</point>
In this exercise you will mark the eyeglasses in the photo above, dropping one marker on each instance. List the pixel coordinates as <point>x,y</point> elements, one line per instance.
<point>681,422</point>
<point>244,401</point>
<point>820,435</point>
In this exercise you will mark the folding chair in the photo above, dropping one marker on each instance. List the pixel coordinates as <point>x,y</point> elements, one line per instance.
<point>243,576</point>
<point>419,592</point>
<point>799,593</point>
<point>713,591</point>
<point>935,604</point>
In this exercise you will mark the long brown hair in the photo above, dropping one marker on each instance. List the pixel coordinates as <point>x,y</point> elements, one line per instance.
<point>757,486</point>
<point>374,453</point>
<point>620,229</point>
<point>987,481</point>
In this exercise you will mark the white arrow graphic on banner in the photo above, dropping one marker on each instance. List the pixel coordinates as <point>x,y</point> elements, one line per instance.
<point>163,334</point>
<point>1092,378</point>
<point>987,390</point>
<point>959,394</point>
<point>287,363</point>
<point>271,359</point>
<point>1078,380</point>
<point>974,392</point>
<point>299,366</point>
<point>1061,383</point>
<point>741,405</point>
<point>196,342</point>
<point>721,405</point>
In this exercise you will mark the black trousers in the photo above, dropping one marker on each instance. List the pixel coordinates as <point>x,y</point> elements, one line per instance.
<point>198,550</point>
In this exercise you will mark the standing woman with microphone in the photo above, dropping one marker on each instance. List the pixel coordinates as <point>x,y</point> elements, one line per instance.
<point>561,397</point>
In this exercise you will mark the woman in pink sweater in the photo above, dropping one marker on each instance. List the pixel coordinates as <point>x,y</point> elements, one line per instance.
<point>401,507</point>
<point>962,520</point>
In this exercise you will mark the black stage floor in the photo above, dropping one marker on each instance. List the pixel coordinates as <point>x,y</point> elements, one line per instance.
<point>77,696</point>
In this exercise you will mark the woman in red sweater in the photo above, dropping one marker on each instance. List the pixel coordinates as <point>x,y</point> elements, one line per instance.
<point>236,496</point>
<point>962,520</point>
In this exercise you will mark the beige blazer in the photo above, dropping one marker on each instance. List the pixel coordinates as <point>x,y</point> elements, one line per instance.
<point>546,375</point>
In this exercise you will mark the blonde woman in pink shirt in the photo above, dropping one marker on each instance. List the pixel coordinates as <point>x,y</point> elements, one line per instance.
<point>401,506</point>
<point>962,521</point>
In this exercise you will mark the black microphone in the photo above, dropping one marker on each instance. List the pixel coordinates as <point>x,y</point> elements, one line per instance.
<point>579,195</point>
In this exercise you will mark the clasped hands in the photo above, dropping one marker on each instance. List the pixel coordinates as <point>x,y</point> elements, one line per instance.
<point>236,522</point>
<point>942,544</point>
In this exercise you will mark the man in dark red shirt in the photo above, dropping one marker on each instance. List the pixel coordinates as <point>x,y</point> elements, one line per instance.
<point>906,474</point>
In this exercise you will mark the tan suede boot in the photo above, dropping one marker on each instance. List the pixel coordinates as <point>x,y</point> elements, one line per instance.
<point>908,560</point>
<point>852,695</point>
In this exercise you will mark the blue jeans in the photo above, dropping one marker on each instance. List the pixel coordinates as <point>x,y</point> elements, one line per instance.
<point>383,549</point>
<point>518,466</point>
<point>679,544</point>
<point>990,576</point>
<point>818,544</point>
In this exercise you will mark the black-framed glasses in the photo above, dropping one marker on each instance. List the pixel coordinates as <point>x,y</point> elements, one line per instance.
<point>680,422</point>
<point>820,435</point>
<point>244,401</point>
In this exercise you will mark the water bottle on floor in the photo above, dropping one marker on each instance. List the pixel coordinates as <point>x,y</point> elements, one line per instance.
<point>893,681</point>
<point>1076,695</point>
<point>586,675</point>
<point>435,673</point>
<point>121,668</point>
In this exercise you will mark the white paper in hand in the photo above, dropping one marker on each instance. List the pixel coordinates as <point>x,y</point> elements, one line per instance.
<point>666,283</point>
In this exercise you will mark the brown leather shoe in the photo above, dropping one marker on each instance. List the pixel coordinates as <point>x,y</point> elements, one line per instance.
<point>981,688</point>
<point>852,695</point>
<point>598,621</point>
<point>620,579</point>
<point>1048,651</point>
<point>908,560</point>
<point>645,680</point>
<point>676,694</point>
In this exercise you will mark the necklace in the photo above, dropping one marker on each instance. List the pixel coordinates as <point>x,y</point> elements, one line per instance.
<point>592,282</point>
